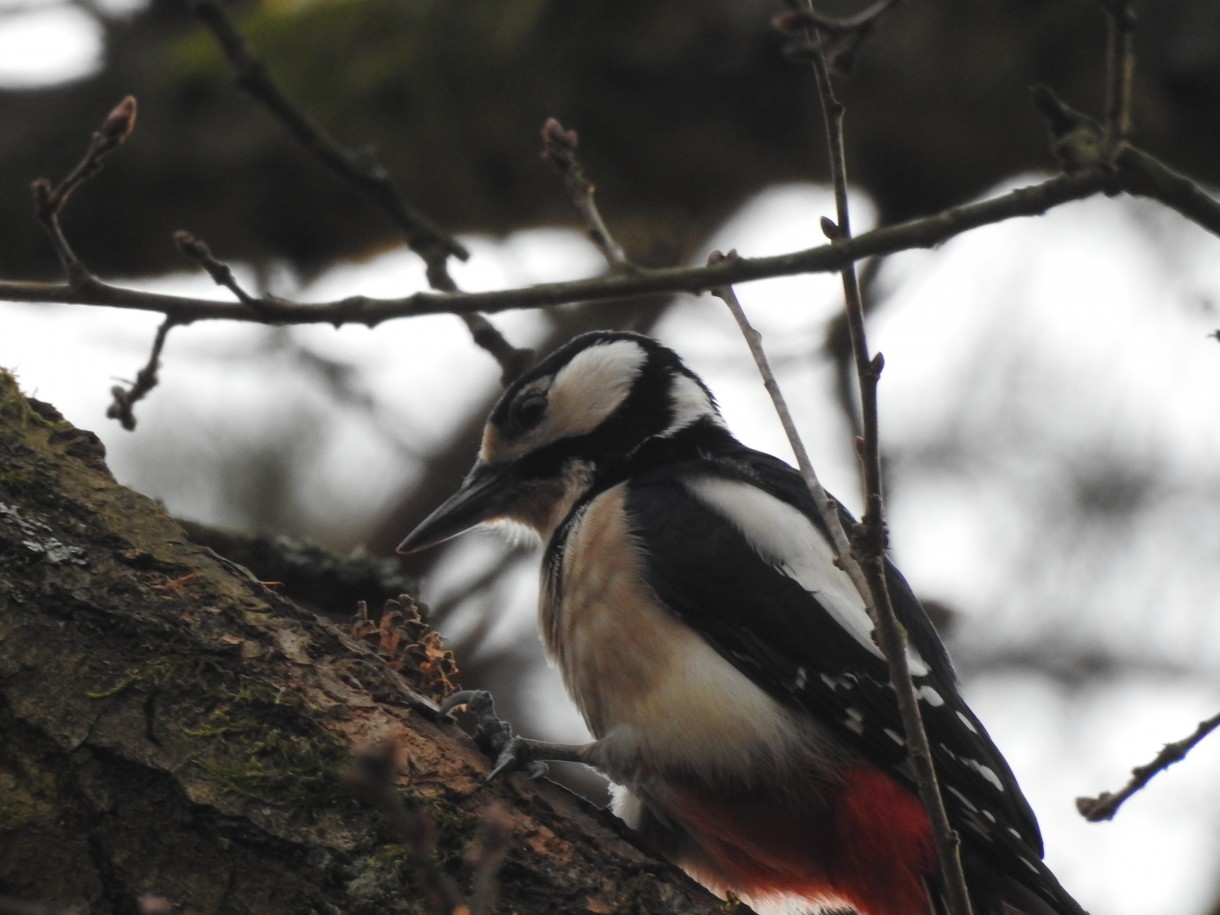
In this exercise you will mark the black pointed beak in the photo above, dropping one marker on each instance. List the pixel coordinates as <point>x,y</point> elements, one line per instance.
<point>483,495</point>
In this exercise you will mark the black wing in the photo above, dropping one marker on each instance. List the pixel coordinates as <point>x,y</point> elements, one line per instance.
<point>781,635</point>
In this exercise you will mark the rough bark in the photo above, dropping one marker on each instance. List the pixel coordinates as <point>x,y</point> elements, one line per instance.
<point>171,726</point>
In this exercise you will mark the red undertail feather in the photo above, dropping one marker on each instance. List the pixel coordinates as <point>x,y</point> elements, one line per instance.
<point>864,841</point>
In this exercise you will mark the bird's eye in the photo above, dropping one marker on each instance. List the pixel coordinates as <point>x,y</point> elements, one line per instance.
<point>527,412</point>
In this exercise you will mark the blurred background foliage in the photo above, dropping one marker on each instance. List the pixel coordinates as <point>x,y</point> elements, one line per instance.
<point>687,108</point>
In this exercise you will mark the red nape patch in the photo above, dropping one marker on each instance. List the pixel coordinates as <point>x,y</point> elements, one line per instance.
<point>863,841</point>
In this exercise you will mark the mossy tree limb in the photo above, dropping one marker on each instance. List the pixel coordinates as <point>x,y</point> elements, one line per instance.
<point>171,727</point>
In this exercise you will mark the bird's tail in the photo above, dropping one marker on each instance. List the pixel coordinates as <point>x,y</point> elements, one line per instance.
<point>1049,899</point>
<point>993,892</point>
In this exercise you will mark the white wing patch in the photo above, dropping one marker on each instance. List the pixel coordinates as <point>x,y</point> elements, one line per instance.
<point>785,537</point>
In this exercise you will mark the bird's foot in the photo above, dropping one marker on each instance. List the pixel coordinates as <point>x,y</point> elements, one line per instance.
<point>495,737</point>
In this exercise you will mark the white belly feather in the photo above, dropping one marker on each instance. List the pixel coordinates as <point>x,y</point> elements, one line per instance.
<point>653,692</point>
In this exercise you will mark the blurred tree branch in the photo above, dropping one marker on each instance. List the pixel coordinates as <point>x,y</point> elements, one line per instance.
<point>1106,804</point>
<point>1094,158</point>
<point>634,77</point>
<point>1134,171</point>
<point>365,173</point>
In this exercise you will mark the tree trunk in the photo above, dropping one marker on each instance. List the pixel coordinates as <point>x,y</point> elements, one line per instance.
<point>171,727</point>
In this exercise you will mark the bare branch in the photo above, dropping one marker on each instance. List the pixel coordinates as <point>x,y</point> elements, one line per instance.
<point>806,17</point>
<point>840,37</point>
<point>559,150</point>
<point>1081,144</point>
<point>1144,175</point>
<point>927,232</point>
<point>1133,170</point>
<point>868,540</point>
<point>197,250</point>
<point>827,506</point>
<point>366,173</point>
<point>513,360</point>
<point>363,170</point>
<point>1105,805</point>
<point>125,399</point>
<point>49,200</point>
<point>1120,71</point>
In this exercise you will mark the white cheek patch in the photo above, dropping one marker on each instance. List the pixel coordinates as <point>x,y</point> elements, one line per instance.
<point>590,388</point>
<point>689,403</point>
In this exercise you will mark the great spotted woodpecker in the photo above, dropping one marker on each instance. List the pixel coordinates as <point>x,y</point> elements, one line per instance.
<point>725,666</point>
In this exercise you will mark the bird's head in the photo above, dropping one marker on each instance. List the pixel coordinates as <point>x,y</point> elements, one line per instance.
<point>578,414</point>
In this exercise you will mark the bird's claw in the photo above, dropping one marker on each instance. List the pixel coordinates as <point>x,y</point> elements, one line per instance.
<point>491,732</point>
<point>518,756</point>
<point>494,735</point>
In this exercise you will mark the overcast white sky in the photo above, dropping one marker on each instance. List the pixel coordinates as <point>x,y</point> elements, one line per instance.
<point>1048,346</point>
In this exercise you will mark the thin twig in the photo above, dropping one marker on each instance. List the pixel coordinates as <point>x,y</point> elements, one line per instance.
<point>125,399</point>
<point>827,506</point>
<point>513,360</point>
<point>801,18</point>
<point>559,151</point>
<point>841,35</point>
<point>1144,175</point>
<point>828,509</point>
<point>1105,805</point>
<point>926,232</point>
<point>363,170</point>
<point>197,250</point>
<point>1080,143</point>
<point>366,173</point>
<point>1120,72</point>
<point>49,200</point>
<point>1137,172</point>
<point>868,540</point>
